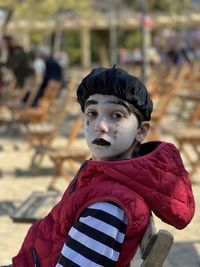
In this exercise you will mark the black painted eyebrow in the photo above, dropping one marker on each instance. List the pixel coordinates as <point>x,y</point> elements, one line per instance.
<point>118,102</point>
<point>130,109</point>
<point>90,102</point>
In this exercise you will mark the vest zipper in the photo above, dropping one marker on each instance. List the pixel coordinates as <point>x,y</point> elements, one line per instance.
<point>75,180</point>
<point>35,258</point>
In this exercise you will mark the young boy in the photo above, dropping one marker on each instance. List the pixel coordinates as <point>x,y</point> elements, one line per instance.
<point>106,208</point>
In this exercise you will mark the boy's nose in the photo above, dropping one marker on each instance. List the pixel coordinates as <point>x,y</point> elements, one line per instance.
<point>101,126</point>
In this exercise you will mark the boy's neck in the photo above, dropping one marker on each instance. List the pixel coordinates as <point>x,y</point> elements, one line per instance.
<point>127,155</point>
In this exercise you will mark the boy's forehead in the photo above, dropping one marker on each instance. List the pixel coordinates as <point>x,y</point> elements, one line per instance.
<point>99,98</point>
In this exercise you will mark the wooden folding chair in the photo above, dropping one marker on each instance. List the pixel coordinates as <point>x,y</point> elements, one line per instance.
<point>154,247</point>
<point>69,154</point>
<point>58,155</point>
<point>40,113</point>
<point>40,135</point>
<point>11,96</point>
<point>17,104</point>
<point>164,102</point>
<point>186,132</point>
<point>158,79</point>
<point>189,136</point>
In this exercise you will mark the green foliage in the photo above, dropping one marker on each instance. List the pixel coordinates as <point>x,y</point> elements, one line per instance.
<point>36,37</point>
<point>71,45</point>
<point>41,9</point>
<point>37,9</point>
<point>168,6</point>
<point>130,39</point>
<point>9,3</point>
<point>44,9</point>
<point>94,46</point>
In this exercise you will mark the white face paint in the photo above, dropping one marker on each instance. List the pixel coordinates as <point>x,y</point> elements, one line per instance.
<point>110,128</point>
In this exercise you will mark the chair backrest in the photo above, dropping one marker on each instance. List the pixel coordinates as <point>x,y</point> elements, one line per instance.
<point>75,130</point>
<point>195,116</point>
<point>171,88</point>
<point>154,246</point>
<point>58,110</point>
<point>50,94</point>
<point>165,101</point>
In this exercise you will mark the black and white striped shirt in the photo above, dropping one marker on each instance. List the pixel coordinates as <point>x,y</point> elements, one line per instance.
<point>96,239</point>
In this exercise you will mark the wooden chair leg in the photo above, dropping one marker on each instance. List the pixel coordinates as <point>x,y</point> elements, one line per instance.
<point>33,164</point>
<point>72,166</point>
<point>66,175</point>
<point>195,117</point>
<point>195,165</point>
<point>75,131</point>
<point>184,151</point>
<point>58,162</point>
<point>40,159</point>
<point>36,161</point>
<point>51,186</point>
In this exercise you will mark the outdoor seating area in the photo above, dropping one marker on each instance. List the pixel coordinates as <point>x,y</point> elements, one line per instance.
<point>127,167</point>
<point>177,114</point>
<point>53,147</point>
<point>39,126</point>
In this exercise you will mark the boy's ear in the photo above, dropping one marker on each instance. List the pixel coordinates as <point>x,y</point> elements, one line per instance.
<point>143,131</point>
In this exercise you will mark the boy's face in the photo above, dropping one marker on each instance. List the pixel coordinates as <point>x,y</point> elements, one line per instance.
<point>110,127</point>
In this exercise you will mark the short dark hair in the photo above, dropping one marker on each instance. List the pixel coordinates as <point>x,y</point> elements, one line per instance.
<point>116,81</point>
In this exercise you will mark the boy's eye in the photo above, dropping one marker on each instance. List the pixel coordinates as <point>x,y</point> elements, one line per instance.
<point>117,115</point>
<point>91,114</point>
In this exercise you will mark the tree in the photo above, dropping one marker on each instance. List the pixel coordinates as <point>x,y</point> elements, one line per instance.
<point>167,6</point>
<point>49,9</point>
<point>41,9</point>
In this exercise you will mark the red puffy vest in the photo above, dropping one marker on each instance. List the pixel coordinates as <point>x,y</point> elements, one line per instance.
<point>157,178</point>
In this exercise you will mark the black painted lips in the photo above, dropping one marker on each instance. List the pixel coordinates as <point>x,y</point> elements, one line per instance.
<point>101,142</point>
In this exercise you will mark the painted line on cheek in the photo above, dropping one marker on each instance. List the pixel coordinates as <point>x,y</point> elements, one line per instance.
<point>115,134</point>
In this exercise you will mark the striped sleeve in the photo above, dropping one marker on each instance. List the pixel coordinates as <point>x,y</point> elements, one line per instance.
<point>96,239</point>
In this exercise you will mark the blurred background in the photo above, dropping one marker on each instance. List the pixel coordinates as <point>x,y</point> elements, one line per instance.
<point>46,48</point>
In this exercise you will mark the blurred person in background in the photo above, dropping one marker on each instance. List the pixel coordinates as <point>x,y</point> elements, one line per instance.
<point>62,58</point>
<point>17,60</point>
<point>53,71</point>
<point>38,65</point>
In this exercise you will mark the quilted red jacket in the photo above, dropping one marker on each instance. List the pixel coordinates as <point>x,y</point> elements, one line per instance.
<point>156,180</point>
